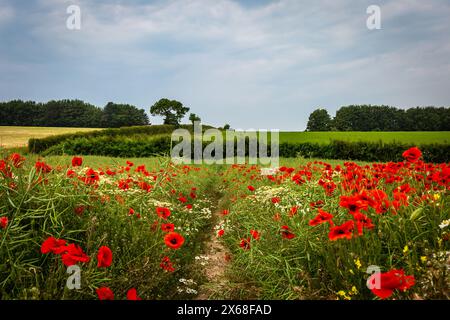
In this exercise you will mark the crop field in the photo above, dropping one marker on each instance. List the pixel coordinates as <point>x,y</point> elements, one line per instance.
<point>18,136</point>
<point>144,228</point>
<point>11,137</point>
<point>419,137</point>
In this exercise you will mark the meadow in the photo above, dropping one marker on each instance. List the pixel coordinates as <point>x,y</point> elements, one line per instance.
<point>145,228</point>
<point>416,137</point>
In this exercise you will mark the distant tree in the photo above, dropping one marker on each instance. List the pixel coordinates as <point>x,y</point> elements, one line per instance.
<point>123,115</point>
<point>226,126</point>
<point>193,117</point>
<point>172,111</point>
<point>319,120</point>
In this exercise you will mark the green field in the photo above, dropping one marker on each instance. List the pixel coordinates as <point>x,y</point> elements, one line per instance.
<point>419,137</point>
<point>11,137</point>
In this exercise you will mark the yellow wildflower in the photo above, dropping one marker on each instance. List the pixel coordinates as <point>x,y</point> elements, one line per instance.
<point>423,259</point>
<point>405,249</point>
<point>358,263</point>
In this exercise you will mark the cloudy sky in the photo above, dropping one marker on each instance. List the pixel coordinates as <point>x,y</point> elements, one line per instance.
<point>253,64</point>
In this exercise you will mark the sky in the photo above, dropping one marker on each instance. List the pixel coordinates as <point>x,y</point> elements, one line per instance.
<point>254,64</point>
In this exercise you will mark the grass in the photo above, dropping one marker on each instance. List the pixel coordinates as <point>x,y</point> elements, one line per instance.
<point>11,136</point>
<point>419,137</point>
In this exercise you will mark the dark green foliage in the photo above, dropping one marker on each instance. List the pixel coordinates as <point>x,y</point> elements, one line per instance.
<point>385,118</point>
<point>70,113</point>
<point>319,120</point>
<point>172,111</point>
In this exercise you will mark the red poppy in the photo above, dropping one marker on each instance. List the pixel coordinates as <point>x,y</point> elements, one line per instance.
<point>130,164</point>
<point>74,255</point>
<point>384,284</point>
<point>245,244</point>
<point>255,234</point>
<point>42,167</point>
<point>251,188</point>
<point>104,257</point>
<point>166,264</point>
<point>77,161</point>
<point>131,211</point>
<point>322,217</point>
<point>189,206</point>
<point>225,212</point>
<point>70,173</point>
<point>353,203</point>
<point>276,200</point>
<point>220,233</point>
<point>163,212</point>
<point>132,295</point>
<point>174,240</point>
<point>182,199</point>
<point>105,293</point>
<point>345,230</point>
<point>362,221</point>
<point>79,210</point>
<point>3,222</point>
<point>17,160</point>
<point>286,233</point>
<point>293,211</point>
<point>56,246</point>
<point>91,177</point>
<point>412,154</point>
<point>167,227</point>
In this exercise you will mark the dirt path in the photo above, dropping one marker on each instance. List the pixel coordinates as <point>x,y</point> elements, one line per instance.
<point>215,269</point>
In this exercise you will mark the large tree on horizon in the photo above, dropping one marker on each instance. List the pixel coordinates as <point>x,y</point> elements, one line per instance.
<point>319,120</point>
<point>172,111</point>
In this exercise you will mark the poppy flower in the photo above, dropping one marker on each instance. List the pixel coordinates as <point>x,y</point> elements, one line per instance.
<point>167,265</point>
<point>70,173</point>
<point>167,227</point>
<point>345,230</point>
<point>384,284</point>
<point>255,234</point>
<point>105,293</point>
<point>17,160</point>
<point>132,295</point>
<point>245,244</point>
<point>174,240</point>
<point>104,257</point>
<point>131,211</point>
<point>42,167</point>
<point>56,246</point>
<point>189,206</point>
<point>293,211</point>
<point>362,221</point>
<point>225,212</point>
<point>163,212</point>
<point>3,222</point>
<point>79,210</point>
<point>220,233</point>
<point>74,255</point>
<point>276,200</point>
<point>77,161</point>
<point>182,199</point>
<point>322,217</point>
<point>412,154</point>
<point>286,233</point>
<point>353,203</point>
<point>251,188</point>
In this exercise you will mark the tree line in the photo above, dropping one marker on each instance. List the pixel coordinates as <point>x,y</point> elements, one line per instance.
<point>70,113</point>
<point>380,118</point>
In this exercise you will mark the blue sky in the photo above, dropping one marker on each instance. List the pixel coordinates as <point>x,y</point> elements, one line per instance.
<point>253,64</point>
